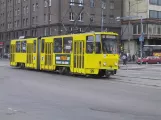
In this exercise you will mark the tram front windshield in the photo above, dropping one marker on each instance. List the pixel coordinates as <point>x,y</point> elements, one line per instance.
<point>109,44</point>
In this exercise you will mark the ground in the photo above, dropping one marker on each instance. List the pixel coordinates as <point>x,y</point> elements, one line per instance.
<point>133,94</point>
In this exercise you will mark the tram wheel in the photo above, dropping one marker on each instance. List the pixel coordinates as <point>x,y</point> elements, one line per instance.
<point>22,65</point>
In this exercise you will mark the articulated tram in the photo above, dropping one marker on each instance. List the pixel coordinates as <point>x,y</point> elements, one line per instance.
<point>93,53</point>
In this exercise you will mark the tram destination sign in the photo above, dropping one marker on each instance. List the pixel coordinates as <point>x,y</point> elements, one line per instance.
<point>62,59</point>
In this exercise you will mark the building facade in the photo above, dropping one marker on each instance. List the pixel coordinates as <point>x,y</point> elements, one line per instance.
<point>52,17</point>
<point>150,11</point>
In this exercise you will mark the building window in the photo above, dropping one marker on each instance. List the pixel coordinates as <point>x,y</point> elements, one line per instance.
<point>150,29</point>
<point>159,29</point>
<point>18,23</point>
<point>111,4</point>
<point>18,11</point>
<point>33,7</point>
<point>80,17</point>
<point>154,29</point>
<point>24,10</point>
<point>50,17</point>
<point>71,16</point>
<point>45,3</point>
<point>144,28</point>
<point>36,19</point>
<point>26,33</point>
<point>17,1</point>
<point>153,14</point>
<point>92,17</point>
<point>27,9</point>
<point>159,2</point>
<point>155,2</point>
<point>50,31</point>
<point>45,18</point>
<point>104,18</point>
<point>139,29</point>
<point>111,16</point>
<point>80,29</point>
<point>33,20</point>
<point>71,2</point>
<point>49,2</point>
<point>33,33</point>
<point>15,12</point>
<point>80,2</point>
<point>8,26</point>
<point>37,5</point>
<point>159,14</point>
<point>23,22</point>
<point>92,3</point>
<point>27,22</point>
<point>45,31</point>
<point>15,23</point>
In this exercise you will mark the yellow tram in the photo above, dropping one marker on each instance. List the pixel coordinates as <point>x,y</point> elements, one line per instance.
<point>93,53</point>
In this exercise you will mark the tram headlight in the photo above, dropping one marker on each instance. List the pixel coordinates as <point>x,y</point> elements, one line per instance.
<point>104,64</point>
<point>116,64</point>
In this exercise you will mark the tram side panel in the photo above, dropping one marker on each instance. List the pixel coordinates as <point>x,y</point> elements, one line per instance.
<point>18,53</point>
<point>46,54</point>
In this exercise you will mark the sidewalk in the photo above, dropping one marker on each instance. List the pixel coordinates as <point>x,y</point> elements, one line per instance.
<point>4,62</point>
<point>131,62</point>
<point>131,67</point>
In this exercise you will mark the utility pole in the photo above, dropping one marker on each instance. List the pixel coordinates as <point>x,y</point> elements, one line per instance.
<point>129,30</point>
<point>102,13</point>
<point>48,4</point>
<point>141,41</point>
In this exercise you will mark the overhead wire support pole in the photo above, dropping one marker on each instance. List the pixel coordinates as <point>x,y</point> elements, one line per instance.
<point>102,14</point>
<point>129,28</point>
<point>141,42</point>
<point>48,4</point>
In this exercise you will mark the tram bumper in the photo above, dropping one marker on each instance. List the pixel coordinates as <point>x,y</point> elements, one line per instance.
<point>110,67</point>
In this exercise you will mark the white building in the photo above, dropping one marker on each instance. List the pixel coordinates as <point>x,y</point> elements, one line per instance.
<point>150,10</point>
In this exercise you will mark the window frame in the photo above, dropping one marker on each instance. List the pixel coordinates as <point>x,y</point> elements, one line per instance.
<point>55,46</point>
<point>67,39</point>
<point>23,51</point>
<point>34,46</point>
<point>42,45</point>
<point>18,50</point>
<point>91,44</point>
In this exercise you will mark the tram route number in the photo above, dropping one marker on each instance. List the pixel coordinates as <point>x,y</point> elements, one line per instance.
<point>63,57</point>
<point>92,70</point>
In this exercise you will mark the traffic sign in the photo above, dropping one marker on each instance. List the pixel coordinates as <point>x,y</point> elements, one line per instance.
<point>141,38</point>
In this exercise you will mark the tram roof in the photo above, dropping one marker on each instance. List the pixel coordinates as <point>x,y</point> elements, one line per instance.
<point>108,33</point>
<point>68,35</point>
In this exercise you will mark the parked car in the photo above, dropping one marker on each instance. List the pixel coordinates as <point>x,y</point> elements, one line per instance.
<point>149,60</point>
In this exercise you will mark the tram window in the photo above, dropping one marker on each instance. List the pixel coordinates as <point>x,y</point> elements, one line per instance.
<point>18,46</point>
<point>67,41</point>
<point>34,46</point>
<point>58,45</point>
<point>89,44</point>
<point>23,46</point>
<point>42,45</point>
<point>98,44</point>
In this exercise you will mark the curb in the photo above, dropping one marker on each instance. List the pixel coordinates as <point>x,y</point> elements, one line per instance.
<point>131,68</point>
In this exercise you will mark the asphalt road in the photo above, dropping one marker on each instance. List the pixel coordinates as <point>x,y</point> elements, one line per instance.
<point>32,95</point>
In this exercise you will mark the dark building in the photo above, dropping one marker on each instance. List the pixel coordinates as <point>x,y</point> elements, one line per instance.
<point>45,17</point>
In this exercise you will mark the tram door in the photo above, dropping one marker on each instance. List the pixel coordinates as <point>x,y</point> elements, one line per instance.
<point>32,54</point>
<point>48,55</point>
<point>79,56</point>
<point>12,54</point>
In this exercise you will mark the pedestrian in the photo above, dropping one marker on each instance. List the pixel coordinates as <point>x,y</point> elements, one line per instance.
<point>133,58</point>
<point>124,58</point>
